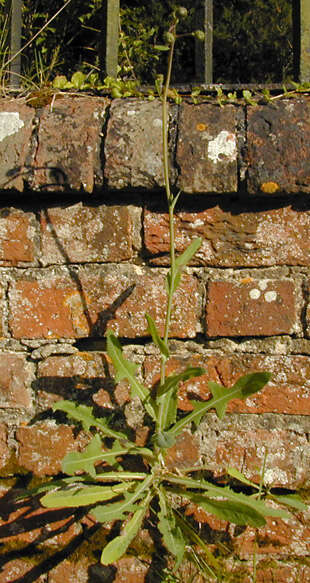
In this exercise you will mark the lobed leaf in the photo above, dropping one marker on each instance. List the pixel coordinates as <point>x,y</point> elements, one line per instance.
<point>85,461</point>
<point>126,370</point>
<point>119,510</point>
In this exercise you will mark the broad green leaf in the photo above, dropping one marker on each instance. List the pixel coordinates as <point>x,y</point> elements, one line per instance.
<point>117,547</point>
<point>232,511</point>
<point>171,532</point>
<point>118,510</point>
<point>60,82</point>
<point>85,460</point>
<point>173,380</point>
<point>212,491</point>
<point>244,387</point>
<point>78,79</point>
<point>188,254</point>
<point>82,496</point>
<point>292,500</point>
<point>164,350</point>
<point>251,383</point>
<point>127,370</point>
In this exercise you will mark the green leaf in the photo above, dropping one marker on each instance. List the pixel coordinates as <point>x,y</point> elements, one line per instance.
<point>173,283</point>
<point>188,254</point>
<point>117,547</point>
<point>60,82</point>
<point>127,370</point>
<point>171,532</point>
<point>247,96</point>
<point>84,415</point>
<point>156,338</point>
<point>161,48</point>
<point>239,476</point>
<point>245,386</point>
<point>85,460</point>
<point>82,496</point>
<point>173,381</point>
<point>78,79</point>
<point>232,511</point>
<point>164,440</point>
<point>292,500</point>
<point>119,509</point>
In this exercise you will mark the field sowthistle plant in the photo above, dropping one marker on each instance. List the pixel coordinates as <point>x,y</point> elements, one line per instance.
<point>98,477</point>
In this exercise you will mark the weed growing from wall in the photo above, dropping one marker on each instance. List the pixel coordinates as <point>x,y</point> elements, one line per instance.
<point>98,478</point>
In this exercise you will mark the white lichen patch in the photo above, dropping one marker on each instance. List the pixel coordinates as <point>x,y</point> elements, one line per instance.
<point>270,296</point>
<point>10,123</point>
<point>223,146</point>
<point>254,294</point>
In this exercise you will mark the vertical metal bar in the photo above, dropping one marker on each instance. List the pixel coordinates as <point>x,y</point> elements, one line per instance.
<point>204,50</point>
<point>13,9</point>
<point>304,66</point>
<point>111,36</point>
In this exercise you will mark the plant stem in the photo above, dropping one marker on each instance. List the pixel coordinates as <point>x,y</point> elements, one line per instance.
<point>171,200</point>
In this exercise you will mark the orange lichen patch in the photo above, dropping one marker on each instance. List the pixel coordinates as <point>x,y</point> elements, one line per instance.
<point>269,187</point>
<point>201,127</point>
<point>245,280</point>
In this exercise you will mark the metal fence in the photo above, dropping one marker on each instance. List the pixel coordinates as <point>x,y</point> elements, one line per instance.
<point>203,51</point>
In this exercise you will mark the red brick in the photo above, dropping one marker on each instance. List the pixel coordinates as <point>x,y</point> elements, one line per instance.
<point>42,447</point>
<point>55,305</point>
<point>16,123</point>
<point>69,141</point>
<point>257,308</point>
<point>286,538</point>
<point>277,140</point>
<point>17,568</point>
<point>133,145</point>
<point>17,237</point>
<point>287,392</point>
<point>2,309</point>
<point>16,378</point>
<point>246,235</point>
<point>59,377</point>
<point>70,572</point>
<point>80,234</point>
<point>207,149</point>
<point>185,452</point>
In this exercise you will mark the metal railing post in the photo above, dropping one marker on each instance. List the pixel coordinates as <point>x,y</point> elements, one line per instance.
<point>110,41</point>
<point>13,9</point>
<point>304,40</point>
<point>204,50</point>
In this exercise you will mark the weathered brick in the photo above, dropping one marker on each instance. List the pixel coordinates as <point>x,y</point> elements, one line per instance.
<point>17,569</point>
<point>241,441</point>
<point>286,538</point>
<point>4,447</point>
<point>80,234</point>
<point>17,237</point>
<point>243,235</point>
<point>286,393</point>
<point>185,453</point>
<point>133,145</point>
<point>16,378</point>
<point>70,572</point>
<point>42,447</point>
<point>66,376</point>
<point>257,308</point>
<point>278,138</point>
<point>16,120</point>
<point>70,304</point>
<point>69,141</point>
<point>207,149</point>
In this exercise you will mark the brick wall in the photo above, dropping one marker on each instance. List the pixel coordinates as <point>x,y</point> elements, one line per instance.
<point>84,248</point>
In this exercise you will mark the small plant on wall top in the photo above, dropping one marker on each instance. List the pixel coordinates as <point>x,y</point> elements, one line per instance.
<point>98,477</point>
